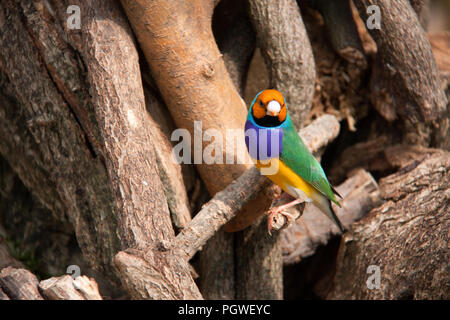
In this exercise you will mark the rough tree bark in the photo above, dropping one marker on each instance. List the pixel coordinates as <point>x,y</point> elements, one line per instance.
<point>90,142</point>
<point>405,81</point>
<point>406,237</point>
<point>83,142</point>
<point>287,53</point>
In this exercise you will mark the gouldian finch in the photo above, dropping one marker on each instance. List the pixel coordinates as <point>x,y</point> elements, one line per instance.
<point>277,142</point>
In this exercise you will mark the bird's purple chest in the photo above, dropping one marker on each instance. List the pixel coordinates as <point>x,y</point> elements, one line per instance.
<point>263,143</point>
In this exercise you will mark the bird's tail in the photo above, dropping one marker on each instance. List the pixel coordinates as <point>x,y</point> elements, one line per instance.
<point>324,204</point>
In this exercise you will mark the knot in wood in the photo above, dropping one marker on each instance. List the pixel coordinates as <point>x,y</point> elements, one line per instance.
<point>208,70</point>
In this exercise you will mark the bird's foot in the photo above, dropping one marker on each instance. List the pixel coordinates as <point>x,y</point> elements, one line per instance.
<point>274,213</point>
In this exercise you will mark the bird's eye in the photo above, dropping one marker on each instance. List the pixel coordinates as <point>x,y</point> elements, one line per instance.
<point>261,103</point>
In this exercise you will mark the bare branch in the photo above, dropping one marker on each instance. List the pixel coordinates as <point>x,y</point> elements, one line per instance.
<point>227,202</point>
<point>287,52</point>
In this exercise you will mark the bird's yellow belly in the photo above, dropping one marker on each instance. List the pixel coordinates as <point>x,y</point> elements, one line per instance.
<point>285,177</point>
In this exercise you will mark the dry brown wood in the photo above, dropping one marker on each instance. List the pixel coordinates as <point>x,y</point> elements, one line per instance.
<point>217,267</point>
<point>82,141</point>
<point>405,81</point>
<point>219,210</point>
<point>287,52</point>
<point>191,75</point>
<point>45,143</point>
<point>360,194</point>
<point>235,38</point>
<point>406,237</point>
<point>376,156</point>
<point>147,274</point>
<point>170,172</point>
<point>193,81</point>
<point>259,264</point>
<point>19,284</point>
<point>67,288</point>
<point>342,30</point>
<point>224,204</point>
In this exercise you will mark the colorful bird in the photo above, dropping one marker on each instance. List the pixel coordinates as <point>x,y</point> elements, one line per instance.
<point>272,140</point>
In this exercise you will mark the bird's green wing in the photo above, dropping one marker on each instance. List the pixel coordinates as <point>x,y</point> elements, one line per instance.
<point>297,157</point>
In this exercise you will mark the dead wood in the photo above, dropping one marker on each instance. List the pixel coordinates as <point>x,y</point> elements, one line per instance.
<point>376,156</point>
<point>148,274</point>
<point>44,142</point>
<point>193,88</point>
<point>341,29</point>
<point>105,179</point>
<point>406,237</point>
<point>360,194</point>
<point>19,284</point>
<point>170,172</point>
<point>217,267</point>
<point>286,49</point>
<point>67,288</point>
<point>315,136</point>
<point>223,207</point>
<point>340,84</point>
<point>440,43</point>
<point>405,81</point>
<point>235,38</point>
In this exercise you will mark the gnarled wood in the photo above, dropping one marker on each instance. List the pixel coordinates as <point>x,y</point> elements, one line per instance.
<point>67,288</point>
<point>19,284</point>
<point>405,81</point>
<point>406,237</point>
<point>287,52</point>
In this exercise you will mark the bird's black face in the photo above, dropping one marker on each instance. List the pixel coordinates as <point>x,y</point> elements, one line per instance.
<point>268,121</point>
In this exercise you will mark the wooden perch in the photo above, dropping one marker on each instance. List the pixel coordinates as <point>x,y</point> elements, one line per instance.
<point>405,82</point>
<point>219,210</point>
<point>19,284</point>
<point>224,205</point>
<point>406,237</point>
<point>287,52</point>
<point>67,288</point>
<point>360,194</point>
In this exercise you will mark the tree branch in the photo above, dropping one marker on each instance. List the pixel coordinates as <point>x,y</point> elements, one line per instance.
<point>225,204</point>
<point>406,83</point>
<point>287,52</point>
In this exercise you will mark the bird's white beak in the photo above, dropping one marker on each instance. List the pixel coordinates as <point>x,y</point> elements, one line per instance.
<point>273,108</point>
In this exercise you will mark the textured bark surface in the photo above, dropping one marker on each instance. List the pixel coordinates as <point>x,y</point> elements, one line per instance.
<point>341,29</point>
<point>195,85</point>
<point>19,284</point>
<point>44,141</point>
<point>405,80</point>
<point>82,140</point>
<point>407,237</point>
<point>67,288</point>
<point>255,251</point>
<point>86,170</point>
<point>286,49</point>
<point>235,38</point>
<point>360,194</point>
